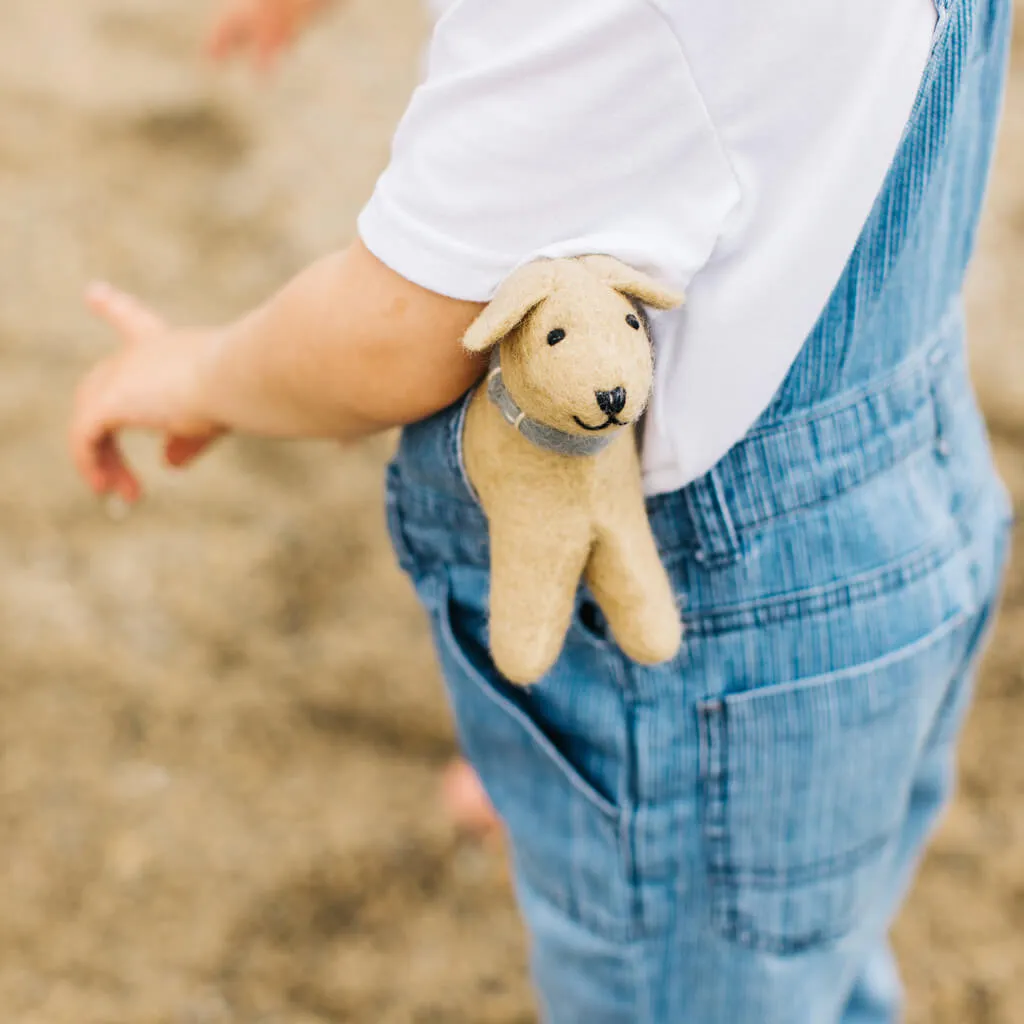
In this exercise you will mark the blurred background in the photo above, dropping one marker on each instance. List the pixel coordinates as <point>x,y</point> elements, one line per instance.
<point>222,730</point>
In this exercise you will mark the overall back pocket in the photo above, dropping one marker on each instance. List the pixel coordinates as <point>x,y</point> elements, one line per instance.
<point>805,788</point>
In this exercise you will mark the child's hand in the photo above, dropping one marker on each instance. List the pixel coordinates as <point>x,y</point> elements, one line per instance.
<point>345,349</point>
<point>153,382</point>
<point>259,28</point>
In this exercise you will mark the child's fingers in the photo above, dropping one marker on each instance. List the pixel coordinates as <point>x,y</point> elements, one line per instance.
<point>267,50</point>
<point>93,456</point>
<point>180,451</point>
<point>99,461</point>
<point>125,314</point>
<point>92,437</point>
<point>117,477</point>
<point>275,33</point>
<point>230,33</point>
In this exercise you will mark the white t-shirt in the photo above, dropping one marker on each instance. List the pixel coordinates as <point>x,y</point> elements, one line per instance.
<point>733,148</point>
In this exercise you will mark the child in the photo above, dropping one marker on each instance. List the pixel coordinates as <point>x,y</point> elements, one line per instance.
<point>724,838</point>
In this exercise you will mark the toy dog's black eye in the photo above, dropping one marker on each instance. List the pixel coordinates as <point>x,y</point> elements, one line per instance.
<point>632,321</point>
<point>555,336</point>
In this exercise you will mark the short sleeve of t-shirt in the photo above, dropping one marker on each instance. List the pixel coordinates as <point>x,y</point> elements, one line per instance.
<point>550,129</point>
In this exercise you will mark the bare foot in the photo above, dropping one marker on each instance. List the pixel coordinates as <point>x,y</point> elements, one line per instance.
<point>466,802</point>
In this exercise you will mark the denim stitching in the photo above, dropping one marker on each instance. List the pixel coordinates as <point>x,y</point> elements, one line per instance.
<point>774,879</point>
<point>857,477</point>
<point>923,358</point>
<point>940,632</point>
<point>817,601</point>
<point>458,427</point>
<point>394,521</point>
<point>727,879</point>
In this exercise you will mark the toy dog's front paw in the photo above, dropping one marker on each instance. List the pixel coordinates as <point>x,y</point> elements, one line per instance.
<point>647,626</point>
<point>523,667</point>
<point>524,656</point>
<point>658,641</point>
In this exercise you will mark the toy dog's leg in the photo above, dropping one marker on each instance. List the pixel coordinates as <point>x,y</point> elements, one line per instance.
<point>631,586</point>
<point>534,576</point>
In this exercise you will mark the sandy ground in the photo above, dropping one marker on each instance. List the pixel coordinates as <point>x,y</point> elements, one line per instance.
<point>222,729</point>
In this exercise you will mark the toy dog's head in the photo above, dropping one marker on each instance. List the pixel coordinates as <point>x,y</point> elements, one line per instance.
<point>575,354</point>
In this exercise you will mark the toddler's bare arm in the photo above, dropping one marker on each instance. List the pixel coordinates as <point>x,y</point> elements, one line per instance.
<point>346,349</point>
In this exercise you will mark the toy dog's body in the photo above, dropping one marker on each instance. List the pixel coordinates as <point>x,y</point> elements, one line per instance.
<point>554,518</point>
<point>565,500</point>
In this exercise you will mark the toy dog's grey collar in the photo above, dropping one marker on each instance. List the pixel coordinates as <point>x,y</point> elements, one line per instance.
<point>549,438</point>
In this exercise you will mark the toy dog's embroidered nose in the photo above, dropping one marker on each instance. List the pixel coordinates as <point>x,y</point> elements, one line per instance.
<point>611,402</point>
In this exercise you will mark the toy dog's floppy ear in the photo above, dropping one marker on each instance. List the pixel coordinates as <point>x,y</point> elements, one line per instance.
<point>522,291</point>
<point>634,283</point>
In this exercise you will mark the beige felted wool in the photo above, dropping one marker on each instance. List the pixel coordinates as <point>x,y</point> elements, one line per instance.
<point>568,330</point>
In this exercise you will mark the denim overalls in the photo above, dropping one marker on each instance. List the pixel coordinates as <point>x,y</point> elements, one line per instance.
<point>725,839</point>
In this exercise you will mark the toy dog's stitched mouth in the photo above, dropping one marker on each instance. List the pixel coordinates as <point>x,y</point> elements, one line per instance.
<point>612,421</point>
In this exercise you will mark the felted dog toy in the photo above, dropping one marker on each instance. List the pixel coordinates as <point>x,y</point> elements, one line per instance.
<point>550,449</point>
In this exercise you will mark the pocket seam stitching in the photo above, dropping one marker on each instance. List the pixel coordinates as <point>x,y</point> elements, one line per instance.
<point>725,878</point>
<point>817,600</point>
<point>508,707</point>
<point>748,697</point>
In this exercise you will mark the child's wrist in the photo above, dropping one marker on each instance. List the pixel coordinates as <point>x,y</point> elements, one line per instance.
<point>208,390</point>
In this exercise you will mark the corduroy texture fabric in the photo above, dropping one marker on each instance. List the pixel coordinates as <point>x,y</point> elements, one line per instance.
<point>575,360</point>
